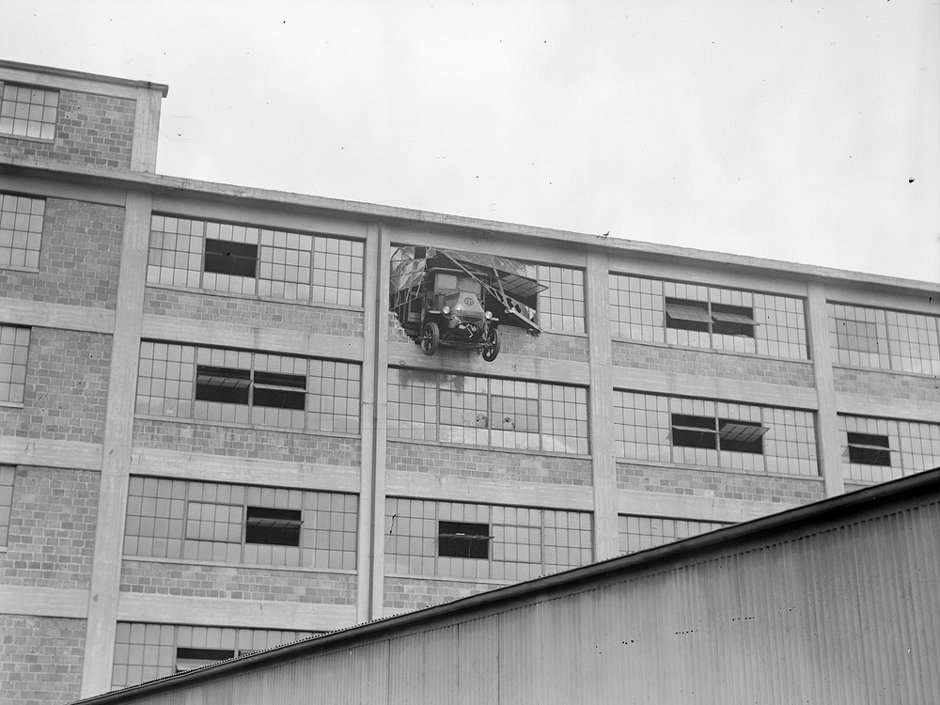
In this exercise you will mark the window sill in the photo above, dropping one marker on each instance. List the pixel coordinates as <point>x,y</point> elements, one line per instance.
<point>14,268</point>
<point>11,405</point>
<point>717,470</point>
<point>731,353</point>
<point>498,449</point>
<point>902,373</point>
<point>256,297</point>
<point>227,564</point>
<point>24,138</point>
<point>247,427</point>
<point>452,579</point>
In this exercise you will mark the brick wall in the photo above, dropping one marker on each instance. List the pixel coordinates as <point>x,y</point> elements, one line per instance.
<point>66,387</point>
<point>713,364</point>
<point>40,659</point>
<point>94,130</point>
<point>79,259</point>
<point>237,582</point>
<point>52,528</point>
<point>246,442</point>
<point>446,461</point>
<point>713,483</point>
<point>406,594</point>
<point>887,384</point>
<point>252,312</point>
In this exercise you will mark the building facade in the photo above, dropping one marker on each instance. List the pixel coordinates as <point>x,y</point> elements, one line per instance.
<point>215,435</point>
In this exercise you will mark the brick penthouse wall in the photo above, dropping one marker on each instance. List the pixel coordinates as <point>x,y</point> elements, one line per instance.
<point>245,442</point>
<point>887,384</point>
<point>40,659</point>
<point>237,582</point>
<point>52,528</point>
<point>66,387</point>
<point>715,483</point>
<point>707,363</point>
<point>447,461</point>
<point>252,312</point>
<point>407,594</point>
<point>79,259</point>
<point>94,130</point>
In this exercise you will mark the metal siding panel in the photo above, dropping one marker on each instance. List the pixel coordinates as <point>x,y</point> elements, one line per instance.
<point>478,662</point>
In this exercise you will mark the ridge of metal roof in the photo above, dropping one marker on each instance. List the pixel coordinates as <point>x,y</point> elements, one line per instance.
<point>84,75</point>
<point>364,210</point>
<point>851,503</point>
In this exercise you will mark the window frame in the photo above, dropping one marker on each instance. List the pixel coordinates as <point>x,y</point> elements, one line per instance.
<point>21,230</point>
<point>44,107</point>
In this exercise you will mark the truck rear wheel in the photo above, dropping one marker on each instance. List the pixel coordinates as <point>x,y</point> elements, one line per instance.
<point>430,338</point>
<point>491,345</point>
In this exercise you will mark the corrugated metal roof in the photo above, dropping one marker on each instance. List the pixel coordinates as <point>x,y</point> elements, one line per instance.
<point>829,580</point>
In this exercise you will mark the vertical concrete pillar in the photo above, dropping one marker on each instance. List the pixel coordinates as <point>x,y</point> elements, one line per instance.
<point>373,329</point>
<point>372,518</point>
<point>828,436</point>
<point>116,452</point>
<point>146,129</point>
<point>601,404</point>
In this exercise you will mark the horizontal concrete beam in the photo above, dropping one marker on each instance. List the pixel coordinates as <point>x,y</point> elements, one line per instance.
<point>41,314</point>
<point>36,601</point>
<point>76,455</point>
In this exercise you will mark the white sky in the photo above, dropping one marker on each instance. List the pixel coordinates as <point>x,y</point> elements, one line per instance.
<point>786,129</point>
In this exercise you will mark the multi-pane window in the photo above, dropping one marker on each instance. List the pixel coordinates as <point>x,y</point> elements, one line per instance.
<point>14,347</point>
<point>143,652</point>
<point>877,450</point>
<point>218,522</point>
<point>638,533</point>
<point>742,437</point>
<point>26,111</point>
<point>487,411</point>
<point>886,340</point>
<point>462,540</point>
<point>561,305</point>
<point>239,386</point>
<point>694,315</point>
<point>20,230</point>
<point>7,473</point>
<point>243,259</point>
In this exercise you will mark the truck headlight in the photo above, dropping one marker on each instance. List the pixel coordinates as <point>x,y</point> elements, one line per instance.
<point>489,315</point>
<point>446,310</point>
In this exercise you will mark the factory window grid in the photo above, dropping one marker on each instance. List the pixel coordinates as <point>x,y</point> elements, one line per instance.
<point>27,111</point>
<point>487,411</point>
<point>878,450</point>
<point>884,339</point>
<point>695,315</point>
<point>219,522</point>
<point>14,351</point>
<point>250,260</point>
<point>243,387</point>
<point>561,305</point>
<point>481,541</point>
<point>7,475</point>
<point>637,532</point>
<point>21,219</point>
<point>739,437</point>
<point>145,651</point>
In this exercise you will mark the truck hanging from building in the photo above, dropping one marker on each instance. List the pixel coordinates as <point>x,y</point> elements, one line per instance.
<point>459,299</point>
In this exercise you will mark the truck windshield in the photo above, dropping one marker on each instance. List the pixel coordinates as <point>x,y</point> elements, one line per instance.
<point>447,281</point>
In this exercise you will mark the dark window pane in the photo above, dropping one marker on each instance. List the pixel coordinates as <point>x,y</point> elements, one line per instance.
<point>733,320</point>
<point>279,398</point>
<point>224,384</point>
<point>273,526</point>
<point>741,436</point>
<point>694,431</point>
<point>459,539</point>
<point>278,379</point>
<point>869,449</point>
<point>224,257</point>
<point>189,658</point>
<point>684,314</point>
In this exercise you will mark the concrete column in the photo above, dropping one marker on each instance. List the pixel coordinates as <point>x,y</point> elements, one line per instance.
<point>828,435</point>
<point>372,330</point>
<point>601,404</point>
<point>146,130</point>
<point>116,451</point>
<point>372,523</point>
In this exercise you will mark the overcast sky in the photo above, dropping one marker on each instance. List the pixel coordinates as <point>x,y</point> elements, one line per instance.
<point>789,129</point>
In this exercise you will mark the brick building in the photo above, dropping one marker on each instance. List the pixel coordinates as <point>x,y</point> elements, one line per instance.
<point>215,435</point>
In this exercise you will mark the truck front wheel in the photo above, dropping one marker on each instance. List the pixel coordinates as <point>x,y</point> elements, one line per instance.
<point>430,338</point>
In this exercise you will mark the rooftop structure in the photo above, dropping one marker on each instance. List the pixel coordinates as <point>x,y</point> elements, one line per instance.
<point>218,431</point>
